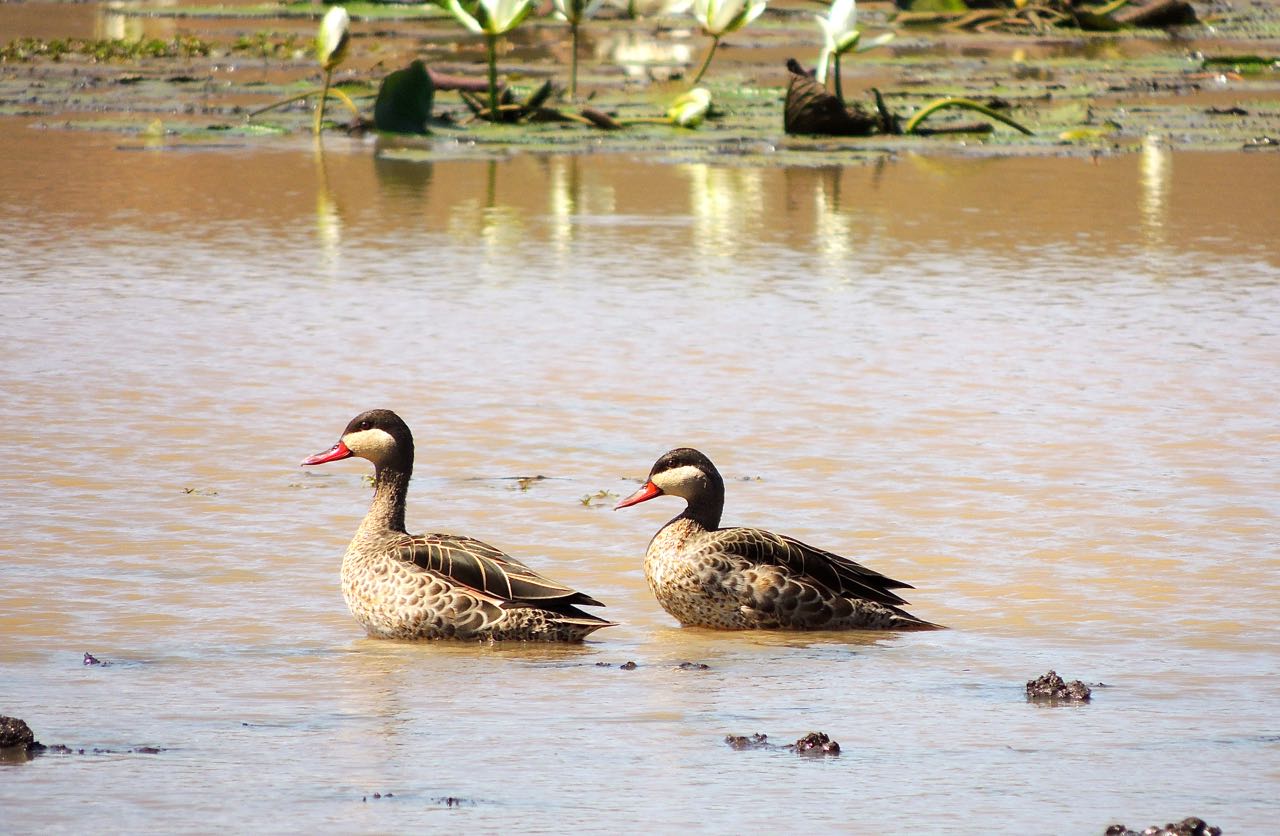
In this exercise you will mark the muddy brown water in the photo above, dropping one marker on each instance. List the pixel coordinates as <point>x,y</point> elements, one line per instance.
<point>1044,391</point>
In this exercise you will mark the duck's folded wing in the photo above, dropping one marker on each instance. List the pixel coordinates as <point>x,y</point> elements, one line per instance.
<point>824,568</point>
<point>486,569</point>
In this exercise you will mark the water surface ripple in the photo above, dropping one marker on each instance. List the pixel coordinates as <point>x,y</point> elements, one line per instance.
<point>1043,391</point>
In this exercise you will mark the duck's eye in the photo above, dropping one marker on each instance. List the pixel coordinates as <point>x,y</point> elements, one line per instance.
<point>364,425</point>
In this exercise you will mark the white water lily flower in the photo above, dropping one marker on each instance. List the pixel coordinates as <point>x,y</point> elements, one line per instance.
<point>575,11</point>
<point>333,38</point>
<point>652,8</point>
<point>841,34</point>
<point>689,110</point>
<point>492,17</point>
<point>719,17</point>
<point>840,25</point>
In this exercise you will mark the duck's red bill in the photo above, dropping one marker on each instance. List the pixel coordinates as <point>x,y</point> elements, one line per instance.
<point>337,451</point>
<point>648,491</point>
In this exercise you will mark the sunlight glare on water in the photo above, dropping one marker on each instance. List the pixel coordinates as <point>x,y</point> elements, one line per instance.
<point>1043,391</point>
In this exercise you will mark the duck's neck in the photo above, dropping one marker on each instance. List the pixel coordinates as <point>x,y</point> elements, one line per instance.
<point>386,513</point>
<point>706,508</point>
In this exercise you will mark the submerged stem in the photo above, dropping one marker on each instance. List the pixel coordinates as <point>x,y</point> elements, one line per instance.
<point>715,42</point>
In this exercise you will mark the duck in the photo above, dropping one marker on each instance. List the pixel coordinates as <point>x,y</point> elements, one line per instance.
<point>439,586</point>
<point>749,578</point>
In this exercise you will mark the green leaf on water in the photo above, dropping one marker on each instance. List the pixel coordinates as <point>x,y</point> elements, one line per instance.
<point>404,101</point>
<point>938,6</point>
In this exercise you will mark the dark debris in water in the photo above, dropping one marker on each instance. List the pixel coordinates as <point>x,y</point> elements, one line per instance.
<point>15,732</point>
<point>378,795</point>
<point>1053,688</point>
<point>16,736</point>
<point>742,741</point>
<point>813,743</point>
<point>817,743</point>
<point>60,749</point>
<point>1190,826</point>
<point>694,666</point>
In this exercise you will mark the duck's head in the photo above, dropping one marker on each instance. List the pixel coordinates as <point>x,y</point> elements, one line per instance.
<point>378,435</point>
<point>683,472</point>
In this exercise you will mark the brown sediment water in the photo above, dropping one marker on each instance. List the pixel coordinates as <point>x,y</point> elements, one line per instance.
<point>1043,391</point>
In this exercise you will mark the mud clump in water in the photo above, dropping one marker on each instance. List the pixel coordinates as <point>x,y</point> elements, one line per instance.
<point>742,741</point>
<point>1190,826</point>
<point>813,743</point>
<point>15,732</point>
<point>816,743</point>
<point>1053,688</point>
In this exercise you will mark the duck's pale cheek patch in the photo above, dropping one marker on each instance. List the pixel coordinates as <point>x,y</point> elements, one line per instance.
<point>374,445</point>
<point>681,481</point>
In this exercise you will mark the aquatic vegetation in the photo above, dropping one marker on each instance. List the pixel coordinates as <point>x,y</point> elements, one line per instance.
<point>636,9</point>
<point>331,50</point>
<point>332,42</point>
<point>575,12</point>
<point>600,499</point>
<point>1042,15</point>
<point>108,49</point>
<point>267,44</point>
<point>689,110</point>
<point>841,34</point>
<point>720,17</point>
<point>493,18</point>
<point>913,124</point>
<point>811,109</point>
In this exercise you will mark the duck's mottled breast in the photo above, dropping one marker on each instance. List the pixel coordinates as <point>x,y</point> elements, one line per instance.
<point>689,578</point>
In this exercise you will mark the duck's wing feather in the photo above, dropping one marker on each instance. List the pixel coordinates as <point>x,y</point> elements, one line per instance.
<point>829,570</point>
<point>485,569</point>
